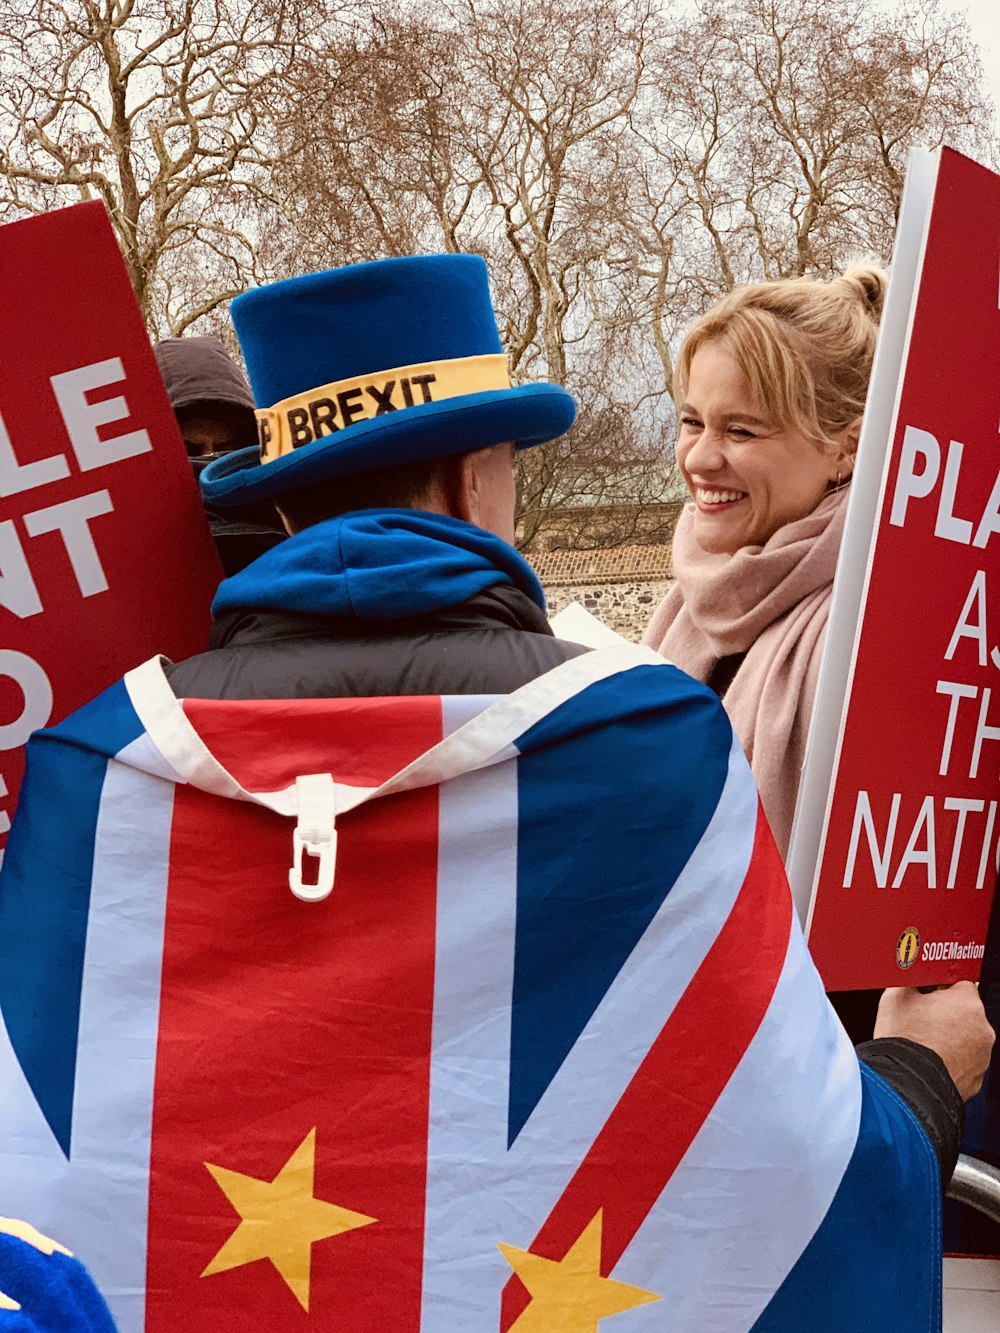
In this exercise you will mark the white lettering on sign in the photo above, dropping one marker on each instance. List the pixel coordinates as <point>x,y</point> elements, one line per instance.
<point>18,591</point>
<point>963,807</point>
<point>985,857</point>
<point>972,629</point>
<point>915,855</point>
<point>16,477</point>
<point>957,691</point>
<point>946,525</point>
<point>83,417</point>
<point>936,951</point>
<point>71,520</point>
<point>911,484</point>
<point>919,470</point>
<point>983,733</point>
<point>990,521</point>
<point>928,836</point>
<point>33,683</point>
<point>863,818</point>
<point>4,816</point>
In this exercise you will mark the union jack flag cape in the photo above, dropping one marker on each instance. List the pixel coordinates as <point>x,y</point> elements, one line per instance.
<point>546,1053</point>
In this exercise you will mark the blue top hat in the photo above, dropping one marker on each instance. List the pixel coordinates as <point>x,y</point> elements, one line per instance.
<point>372,366</point>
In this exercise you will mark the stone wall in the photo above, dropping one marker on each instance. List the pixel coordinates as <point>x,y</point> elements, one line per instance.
<point>621,586</point>
<point>624,607</point>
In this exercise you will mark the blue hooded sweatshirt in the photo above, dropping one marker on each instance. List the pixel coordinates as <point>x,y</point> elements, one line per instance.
<point>378,564</point>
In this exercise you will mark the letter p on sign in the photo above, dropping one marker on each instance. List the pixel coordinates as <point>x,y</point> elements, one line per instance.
<point>911,484</point>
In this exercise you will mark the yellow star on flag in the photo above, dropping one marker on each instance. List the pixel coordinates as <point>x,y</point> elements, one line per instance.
<point>281,1219</point>
<point>569,1294</point>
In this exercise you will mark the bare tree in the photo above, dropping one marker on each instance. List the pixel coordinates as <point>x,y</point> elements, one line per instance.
<point>156,107</point>
<point>606,483</point>
<point>620,167</point>
<point>552,86</point>
<point>503,129</point>
<point>793,120</point>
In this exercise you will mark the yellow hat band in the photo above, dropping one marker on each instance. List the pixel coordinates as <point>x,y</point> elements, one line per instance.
<point>316,413</point>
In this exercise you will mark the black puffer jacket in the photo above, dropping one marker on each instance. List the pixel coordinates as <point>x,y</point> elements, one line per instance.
<point>491,644</point>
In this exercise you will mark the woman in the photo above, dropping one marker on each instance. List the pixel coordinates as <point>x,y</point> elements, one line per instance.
<point>770,385</point>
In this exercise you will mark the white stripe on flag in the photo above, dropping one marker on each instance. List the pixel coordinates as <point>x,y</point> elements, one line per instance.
<point>96,1202</point>
<point>116,1061</point>
<point>485,739</point>
<point>478,1192</point>
<point>33,1171</point>
<point>762,1173</point>
<point>143,755</point>
<point>464,1272</point>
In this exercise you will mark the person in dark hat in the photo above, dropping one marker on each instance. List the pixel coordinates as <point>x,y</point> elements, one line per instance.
<point>215,415</point>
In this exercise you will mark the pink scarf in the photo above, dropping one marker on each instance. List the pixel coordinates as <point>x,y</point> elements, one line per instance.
<point>771,602</point>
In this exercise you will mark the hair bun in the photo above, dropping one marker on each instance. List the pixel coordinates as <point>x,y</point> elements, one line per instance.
<point>867,283</point>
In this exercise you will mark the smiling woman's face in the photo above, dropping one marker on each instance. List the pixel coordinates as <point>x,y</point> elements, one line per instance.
<point>748,475</point>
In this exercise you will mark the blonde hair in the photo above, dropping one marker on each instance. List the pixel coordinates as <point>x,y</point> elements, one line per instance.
<point>805,346</point>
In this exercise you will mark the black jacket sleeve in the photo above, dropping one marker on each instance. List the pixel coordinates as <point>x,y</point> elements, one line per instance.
<point>919,1076</point>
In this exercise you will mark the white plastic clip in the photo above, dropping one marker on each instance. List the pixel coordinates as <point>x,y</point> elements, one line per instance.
<point>316,835</point>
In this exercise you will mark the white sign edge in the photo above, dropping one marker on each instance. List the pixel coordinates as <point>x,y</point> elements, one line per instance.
<point>850,586</point>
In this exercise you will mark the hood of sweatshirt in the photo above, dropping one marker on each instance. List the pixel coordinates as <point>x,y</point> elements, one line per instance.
<point>379,564</point>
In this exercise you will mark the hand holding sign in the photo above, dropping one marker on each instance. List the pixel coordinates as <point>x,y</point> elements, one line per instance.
<point>949,1020</point>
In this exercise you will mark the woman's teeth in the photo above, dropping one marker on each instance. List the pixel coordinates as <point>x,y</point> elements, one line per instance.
<point>718,497</point>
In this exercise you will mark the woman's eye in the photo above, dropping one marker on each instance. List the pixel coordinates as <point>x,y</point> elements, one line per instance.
<point>741,434</point>
<point>691,422</point>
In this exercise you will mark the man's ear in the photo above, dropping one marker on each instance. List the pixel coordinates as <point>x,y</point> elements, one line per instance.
<point>482,491</point>
<point>286,521</point>
<point>464,486</point>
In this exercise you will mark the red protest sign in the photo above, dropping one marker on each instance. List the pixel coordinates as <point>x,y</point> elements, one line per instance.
<point>105,553</point>
<point>906,859</point>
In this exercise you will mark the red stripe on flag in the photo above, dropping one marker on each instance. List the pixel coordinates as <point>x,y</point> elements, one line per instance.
<point>279,1017</point>
<point>681,1078</point>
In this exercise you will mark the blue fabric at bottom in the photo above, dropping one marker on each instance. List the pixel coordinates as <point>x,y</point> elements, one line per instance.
<point>55,1292</point>
<point>892,1188</point>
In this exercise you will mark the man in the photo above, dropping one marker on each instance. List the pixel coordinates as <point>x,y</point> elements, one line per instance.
<point>534,1039</point>
<point>215,415</point>
<point>209,394</point>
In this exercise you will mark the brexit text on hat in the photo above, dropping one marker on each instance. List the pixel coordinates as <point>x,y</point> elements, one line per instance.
<point>319,416</point>
<point>320,412</point>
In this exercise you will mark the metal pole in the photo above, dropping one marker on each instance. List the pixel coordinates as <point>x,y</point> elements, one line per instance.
<point>977,1184</point>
